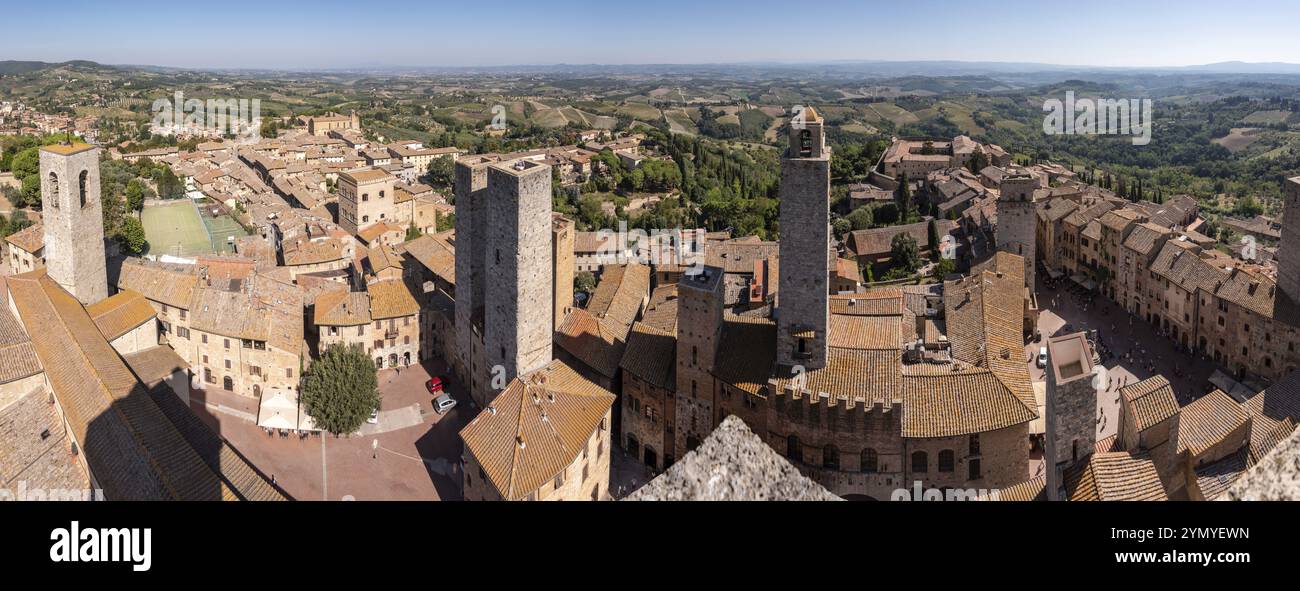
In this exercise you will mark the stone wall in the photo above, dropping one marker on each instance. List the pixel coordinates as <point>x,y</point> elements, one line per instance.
<point>74,233</point>
<point>518,329</point>
<point>804,313</point>
<point>699,328</point>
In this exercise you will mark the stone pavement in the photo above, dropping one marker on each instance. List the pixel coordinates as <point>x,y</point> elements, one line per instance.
<point>1136,350</point>
<point>419,461</point>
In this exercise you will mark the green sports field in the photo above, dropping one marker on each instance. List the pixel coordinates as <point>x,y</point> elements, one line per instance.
<point>175,229</point>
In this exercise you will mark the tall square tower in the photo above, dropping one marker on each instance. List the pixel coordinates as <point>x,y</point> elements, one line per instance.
<point>74,221</point>
<point>365,198</point>
<point>471,249</point>
<point>518,330</point>
<point>803,312</point>
<point>1071,407</point>
<point>1017,218</point>
<point>699,330</point>
<point>564,264</point>
<point>1286,303</point>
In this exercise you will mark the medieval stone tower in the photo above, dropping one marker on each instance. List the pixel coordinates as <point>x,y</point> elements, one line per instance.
<point>74,220</point>
<point>1017,217</point>
<point>804,313</point>
<point>517,325</point>
<point>471,249</point>
<point>564,265</point>
<point>699,329</point>
<point>1071,407</point>
<point>1287,301</point>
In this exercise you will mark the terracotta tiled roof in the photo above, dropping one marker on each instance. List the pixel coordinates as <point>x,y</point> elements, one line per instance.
<point>1207,421</point>
<point>865,332</point>
<point>372,232</point>
<point>1180,263</point>
<point>1115,476</point>
<point>342,308</point>
<point>369,175</point>
<point>311,252</point>
<point>435,253</point>
<point>960,403</point>
<point>661,313</point>
<point>121,313</point>
<point>740,254</point>
<point>383,257</point>
<point>876,302</point>
<point>132,448</point>
<point>1118,219</point>
<point>34,447</point>
<point>1057,209</point>
<point>1034,489</point>
<point>30,239</point>
<point>155,364</point>
<point>17,357</point>
<point>1144,237</point>
<point>619,295</point>
<point>1215,478</point>
<point>167,283</point>
<point>1152,400</point>
<point>746,352</point>
<point>597,343</point>
<point>651,356</point>
<point>1273,414</point>
<point>391,298</point>
<point>859,376</point>
<point>1250,290</point>
<point>536,428</point>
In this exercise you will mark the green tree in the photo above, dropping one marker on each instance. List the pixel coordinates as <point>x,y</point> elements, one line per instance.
<point>131,237</point>
<point>932,239</point>
<point>905,252</point>
<point>31,192</point>
<point>134,195</point>
<point>944,268</point>
<point>26,163</point>
<point>412,232</point>
<point>446,222</point>
<point>341,389</point>
<point>584,282</point>
<point>861,218</point>
<point>442,172</point>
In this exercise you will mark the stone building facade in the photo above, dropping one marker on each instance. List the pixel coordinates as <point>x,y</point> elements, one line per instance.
<point>366,197</point>
<point>73,219</point>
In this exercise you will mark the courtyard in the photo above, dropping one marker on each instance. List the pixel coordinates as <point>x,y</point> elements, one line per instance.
<point>413,453</point>
<point>1132,349</point>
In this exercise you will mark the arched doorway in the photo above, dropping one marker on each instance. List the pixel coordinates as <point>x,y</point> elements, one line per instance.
<point>379,362</point>
<point>633,446</point>
<point>228,383</point>
<point>392,359</point>
<point>651,458</point>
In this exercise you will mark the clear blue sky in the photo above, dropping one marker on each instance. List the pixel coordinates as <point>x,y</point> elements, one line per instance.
<point>325,33</point>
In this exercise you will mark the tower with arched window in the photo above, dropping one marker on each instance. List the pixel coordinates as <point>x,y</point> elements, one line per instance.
<point>804,313</point>
<point>1018,219</point>
<point>74,221</point>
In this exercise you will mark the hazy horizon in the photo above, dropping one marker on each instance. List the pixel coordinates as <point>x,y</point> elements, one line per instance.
<point>334,35</point>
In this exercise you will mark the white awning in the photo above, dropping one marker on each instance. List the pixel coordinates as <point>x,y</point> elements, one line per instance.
<point>279,410</point>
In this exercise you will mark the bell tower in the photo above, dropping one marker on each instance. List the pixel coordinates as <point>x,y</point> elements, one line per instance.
<point>73,219</point>
<point>803,310</point>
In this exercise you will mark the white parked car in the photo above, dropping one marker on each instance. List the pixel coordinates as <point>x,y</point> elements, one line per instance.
<point>1042,357</point>
<point>374,417</point>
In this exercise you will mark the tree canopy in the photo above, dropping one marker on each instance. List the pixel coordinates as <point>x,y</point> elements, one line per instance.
<point>340,390</point>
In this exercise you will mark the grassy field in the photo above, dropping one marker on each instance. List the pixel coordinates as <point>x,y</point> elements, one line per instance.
<point>175,229</point>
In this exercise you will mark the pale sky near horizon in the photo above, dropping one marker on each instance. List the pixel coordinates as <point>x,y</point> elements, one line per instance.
<point>334,34</point>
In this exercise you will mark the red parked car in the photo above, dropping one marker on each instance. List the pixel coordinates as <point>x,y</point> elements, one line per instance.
<point>434,385</point>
